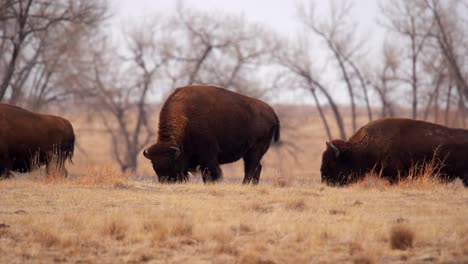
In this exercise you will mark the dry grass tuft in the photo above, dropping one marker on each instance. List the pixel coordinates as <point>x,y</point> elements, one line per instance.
<point>116,229</point>
<point>279,180</point>
<point>298,205</point>
<point>224,243</point>
<point>182,227</point>
<point>156,229</point>
<point>252,257</point>
<point>54,179</point>
<point>4,230</point>
<point>107,175</point>
<point>261,208</point>
<point>364,258</point>
<point>355,247</point>
<point>424,176</point>
<point>401,237</point>
<point>242,229</point>
<point>337,212</point>
<point>46,238</point>
<point>465,247</point>
<point>373,180</point>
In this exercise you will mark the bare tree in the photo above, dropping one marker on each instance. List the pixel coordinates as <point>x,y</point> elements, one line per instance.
<point>407,20</point>
<point>189,47</point>
<point>340,38</point>
<point>384,79</point>
<point>31,31</point>
<point>434,67</point>
<point>298,62</point>
<point>119,87</point>
<point>220,49</point>
<point>451,37</point>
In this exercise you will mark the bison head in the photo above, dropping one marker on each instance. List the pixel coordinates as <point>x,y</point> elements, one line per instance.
<point>337,164</point>
<point>165,158</point>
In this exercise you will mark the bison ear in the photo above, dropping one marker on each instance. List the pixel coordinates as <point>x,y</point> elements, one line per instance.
<point>177,151</point>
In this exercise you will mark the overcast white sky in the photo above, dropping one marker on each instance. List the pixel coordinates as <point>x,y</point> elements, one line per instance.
<point>278,15</point>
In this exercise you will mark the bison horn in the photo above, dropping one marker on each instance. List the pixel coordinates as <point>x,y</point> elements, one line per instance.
<point>146,154</point>
<point>177,151</point>
<point>337,151</point>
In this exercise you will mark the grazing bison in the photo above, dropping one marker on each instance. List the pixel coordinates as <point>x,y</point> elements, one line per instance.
<point>394,146</point>
<point>201,127</point>
<point>29,140</point>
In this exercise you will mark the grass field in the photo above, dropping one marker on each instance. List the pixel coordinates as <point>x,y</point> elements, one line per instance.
<point>118,220</point>
<point>101,215</point>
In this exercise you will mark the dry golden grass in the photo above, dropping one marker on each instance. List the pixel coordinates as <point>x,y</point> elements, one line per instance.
<point>228,223</point>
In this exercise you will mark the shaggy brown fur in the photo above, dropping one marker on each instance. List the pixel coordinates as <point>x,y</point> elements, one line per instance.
<point>394,146</point>
<point>29,140</point>
<point>201,127</point>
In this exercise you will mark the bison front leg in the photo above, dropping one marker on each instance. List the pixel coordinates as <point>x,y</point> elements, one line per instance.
<point>252,173</point>
<point>211,174</point>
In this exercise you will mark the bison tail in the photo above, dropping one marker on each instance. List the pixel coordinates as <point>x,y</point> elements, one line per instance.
<point>276,136</point>
<point>70,154</point>
<point>70,150</point>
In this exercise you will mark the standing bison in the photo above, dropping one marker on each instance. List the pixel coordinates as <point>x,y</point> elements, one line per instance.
<point>394,146</point>
<point>29,140</point>
<point>201,127</point>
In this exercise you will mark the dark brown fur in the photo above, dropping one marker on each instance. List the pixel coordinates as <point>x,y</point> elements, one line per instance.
<point>29,140</point>
<point>201,127</point>
<point>393,146</point>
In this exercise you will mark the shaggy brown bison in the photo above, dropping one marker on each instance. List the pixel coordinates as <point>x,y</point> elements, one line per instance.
<point>29,140</point>
<point>201,127</point>
<point>394,146</point>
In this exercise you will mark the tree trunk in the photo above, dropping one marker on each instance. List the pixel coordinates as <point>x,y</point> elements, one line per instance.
<point>322,115</point>
<point>447,105</point>
<point>336,111</point>
<point>9,72</point>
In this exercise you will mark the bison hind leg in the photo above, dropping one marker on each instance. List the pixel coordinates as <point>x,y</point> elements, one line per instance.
<point>252,166</point>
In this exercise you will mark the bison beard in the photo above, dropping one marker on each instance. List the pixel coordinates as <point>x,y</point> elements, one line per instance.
<point>201,127</point>
<point>29,140</point>
<point>396,147</point>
